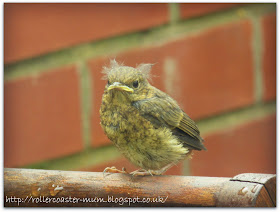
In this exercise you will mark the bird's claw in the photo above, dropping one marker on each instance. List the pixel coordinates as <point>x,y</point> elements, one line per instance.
<point>113,169</point>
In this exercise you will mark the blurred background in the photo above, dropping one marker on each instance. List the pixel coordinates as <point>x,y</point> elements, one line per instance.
<point>217,60</point>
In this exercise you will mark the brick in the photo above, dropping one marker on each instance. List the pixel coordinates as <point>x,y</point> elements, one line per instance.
<point>188,10</point>
<point>212,75</point>
<point>248,148</point>
<point>269,56</point>
<point>49,27</point>
<point>217,70</point>
<point>123,162</point>
<point>42,117</point>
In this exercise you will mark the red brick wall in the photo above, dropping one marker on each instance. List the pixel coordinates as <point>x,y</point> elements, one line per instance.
<point>54,54</point>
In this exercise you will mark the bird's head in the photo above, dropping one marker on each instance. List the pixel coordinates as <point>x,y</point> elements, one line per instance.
<point>127,82</point>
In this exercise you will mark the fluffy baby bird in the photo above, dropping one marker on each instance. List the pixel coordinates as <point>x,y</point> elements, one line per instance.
<point>146,125</point>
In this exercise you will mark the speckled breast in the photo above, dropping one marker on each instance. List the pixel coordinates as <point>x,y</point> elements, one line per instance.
<point>123,124</point>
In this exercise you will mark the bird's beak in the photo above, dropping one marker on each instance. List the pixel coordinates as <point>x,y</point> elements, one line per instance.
<point>119,86</point>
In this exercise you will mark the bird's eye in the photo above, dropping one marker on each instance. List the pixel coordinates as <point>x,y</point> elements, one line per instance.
<point>135,84</point>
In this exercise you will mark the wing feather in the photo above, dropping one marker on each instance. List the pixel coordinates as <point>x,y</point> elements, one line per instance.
<point>161,110</point>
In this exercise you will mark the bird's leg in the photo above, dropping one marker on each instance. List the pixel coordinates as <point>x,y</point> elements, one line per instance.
<point>140,172</point>
<point>113,169</point>
<point>143,172</point>
<point>162,170</point>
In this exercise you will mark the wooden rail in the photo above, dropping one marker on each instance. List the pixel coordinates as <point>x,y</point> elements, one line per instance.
<point>33,188</point>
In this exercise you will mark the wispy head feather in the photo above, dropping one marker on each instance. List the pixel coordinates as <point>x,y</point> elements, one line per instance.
<point>144,69</point>
<point>107,70</point>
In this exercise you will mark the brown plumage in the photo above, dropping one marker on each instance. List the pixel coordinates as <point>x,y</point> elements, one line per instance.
<point>145,124</point>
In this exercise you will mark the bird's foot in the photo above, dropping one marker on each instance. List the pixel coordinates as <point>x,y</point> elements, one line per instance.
<point>113,169</point>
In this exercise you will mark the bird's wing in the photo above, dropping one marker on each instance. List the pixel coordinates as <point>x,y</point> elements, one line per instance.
<point>188,125</point>
<point>162,110</point>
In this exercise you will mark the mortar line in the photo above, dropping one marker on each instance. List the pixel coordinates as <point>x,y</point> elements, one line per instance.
<point>257,57</point>
<point>174,12</point>
<point>187,167</point>
<point>236,118</point>
<point>85,159</point>
<point>155,36</point>
<point>86,102</point>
